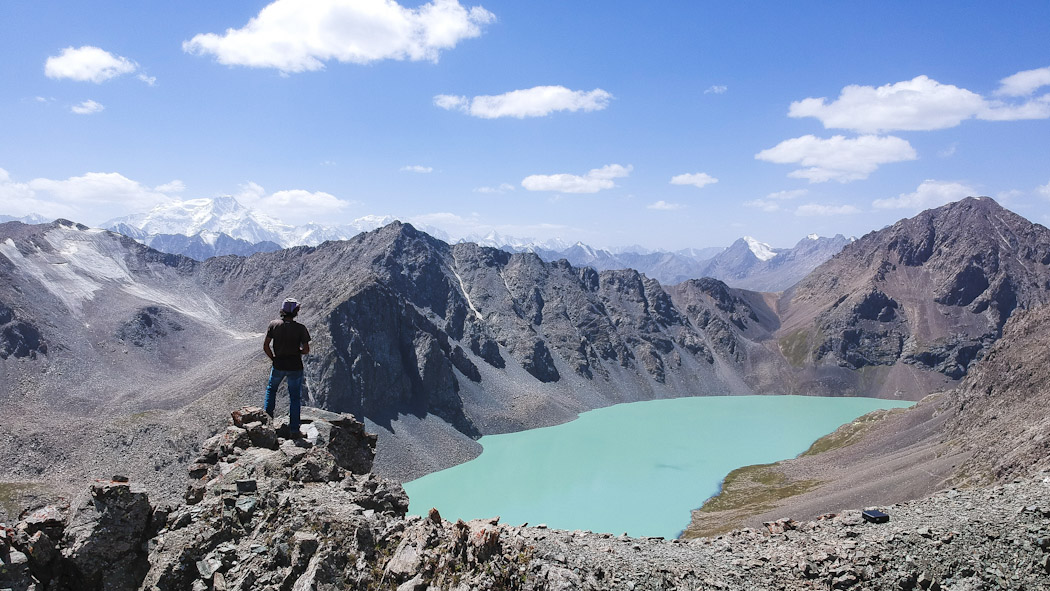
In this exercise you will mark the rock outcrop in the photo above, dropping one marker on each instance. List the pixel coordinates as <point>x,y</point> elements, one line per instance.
<point>294,514</point>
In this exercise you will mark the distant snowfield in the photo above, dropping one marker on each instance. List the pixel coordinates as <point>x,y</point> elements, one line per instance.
<point>84,262</point>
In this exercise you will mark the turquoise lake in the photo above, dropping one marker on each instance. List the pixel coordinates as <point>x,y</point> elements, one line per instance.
<point>637,468</point>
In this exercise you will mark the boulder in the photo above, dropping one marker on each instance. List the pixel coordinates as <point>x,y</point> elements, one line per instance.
<point>345,438</point>
<point>249,414</point>
<point>104,541</point>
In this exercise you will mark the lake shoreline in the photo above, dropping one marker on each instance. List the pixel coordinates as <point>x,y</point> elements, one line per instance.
<point>636,468</point>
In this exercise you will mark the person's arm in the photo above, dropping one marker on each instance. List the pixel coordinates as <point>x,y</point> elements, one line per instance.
<point>304,348</point>
<point>266,347</point>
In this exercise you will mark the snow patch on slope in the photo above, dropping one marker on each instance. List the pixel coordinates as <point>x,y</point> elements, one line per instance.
<point>761,250</point>
<point>81,263</point>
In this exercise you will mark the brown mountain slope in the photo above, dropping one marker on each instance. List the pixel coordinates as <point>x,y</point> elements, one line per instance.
<point>991,429</point>
<point>905,310</point>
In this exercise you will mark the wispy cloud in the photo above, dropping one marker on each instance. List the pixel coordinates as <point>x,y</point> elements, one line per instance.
<point>87,108</point>
<point>294,36</point>
<point>923,104</point>
<point>1024,83</point>
<point>595,180</point>
<point>772,202</point>
<point>696,179</point>
<point>175,186</point>
<point>459,226</point>
<point>716,89</point>
<point>785,195</point>
<point>838,158</point>
<point>538,101</point>
<point>766,205</point>
<point>665,206</point>
<point>417,169</point>
<point>87,64</point>
<point>1043,190</point>
<point>816,209</point>
<point>502,188</point>
<point>930,193</point>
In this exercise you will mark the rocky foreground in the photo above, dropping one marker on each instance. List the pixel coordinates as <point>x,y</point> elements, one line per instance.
<point>265,512</point>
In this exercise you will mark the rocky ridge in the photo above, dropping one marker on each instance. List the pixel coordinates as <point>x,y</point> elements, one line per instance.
<point>265,512</point>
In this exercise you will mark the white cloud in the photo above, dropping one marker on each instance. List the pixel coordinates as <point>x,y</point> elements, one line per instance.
<point>99,188</point>
<point>294,206</point>
<point>771,202</point>
<point>90,198</point>
<point>816,209</point>
<point>87,108</point>
<point>502,188</point>
<point>917,104</point>
<point>785,195</point>
<point>595,180</point>
<point>458,226</point>
<point>449,102</point>
<point>766,205</point>
<point>150,80</point>
<point>301,35</point>
<point>19,199</point>
<point>1010,196</point>
<point>929,194</point>
<point>87,64</point>
<point>538,101</point>
<point>698,179</point>
<point>1038,108</point>
<point>838,158</point>
<point>717,89</point>
<point>949,151</point>
<point>417,168</point>
<point>664,206</point>
<point>922,104</point>
<point>1044,190</point>
<point>1024,83</point>
<point>175,186</point>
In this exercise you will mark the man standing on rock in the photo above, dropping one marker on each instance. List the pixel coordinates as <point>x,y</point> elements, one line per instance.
<point>290,341</point>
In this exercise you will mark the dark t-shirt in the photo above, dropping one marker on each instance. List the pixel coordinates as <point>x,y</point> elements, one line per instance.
<point>287,337</point>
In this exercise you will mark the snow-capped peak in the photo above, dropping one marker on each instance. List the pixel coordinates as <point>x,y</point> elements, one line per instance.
<point>225,215</point>
<point>813,237</point>
<point>761,250</point>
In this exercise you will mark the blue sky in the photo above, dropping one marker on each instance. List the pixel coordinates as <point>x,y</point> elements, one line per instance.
<point>665,124</point>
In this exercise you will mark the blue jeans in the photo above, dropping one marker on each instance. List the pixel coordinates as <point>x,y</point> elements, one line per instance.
<point>295,388</point>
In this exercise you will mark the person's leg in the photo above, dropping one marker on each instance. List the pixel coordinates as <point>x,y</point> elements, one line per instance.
<point>295,389</point>
<point>271,391</point>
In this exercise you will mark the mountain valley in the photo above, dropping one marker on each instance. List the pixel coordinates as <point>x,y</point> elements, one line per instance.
<point>120,359</point>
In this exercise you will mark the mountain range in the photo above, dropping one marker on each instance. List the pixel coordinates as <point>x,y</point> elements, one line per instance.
<point>203,228</point>
<point>106,343</point>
